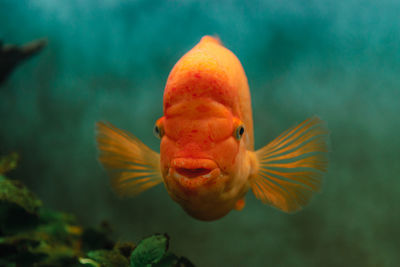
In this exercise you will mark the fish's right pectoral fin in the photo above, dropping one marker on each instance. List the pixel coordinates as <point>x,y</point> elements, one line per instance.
<point>133,167</point>
<point>290,168</point>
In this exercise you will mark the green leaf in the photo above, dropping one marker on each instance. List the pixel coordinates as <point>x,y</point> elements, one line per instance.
<point>150,250</point>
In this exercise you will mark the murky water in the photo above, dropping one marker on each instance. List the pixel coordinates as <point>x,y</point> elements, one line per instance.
<point>110,60</point>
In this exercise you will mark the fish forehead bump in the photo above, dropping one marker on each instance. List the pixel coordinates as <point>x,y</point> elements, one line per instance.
<point>206,71</point>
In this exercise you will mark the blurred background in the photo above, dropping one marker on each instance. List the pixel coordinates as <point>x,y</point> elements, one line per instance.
<point>109,60</point>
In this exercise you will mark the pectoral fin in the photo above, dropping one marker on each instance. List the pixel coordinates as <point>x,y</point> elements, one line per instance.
<point>133,167</point>
<point>291,166</point>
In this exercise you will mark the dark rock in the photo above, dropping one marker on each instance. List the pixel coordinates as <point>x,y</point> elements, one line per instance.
<point>13,55</point>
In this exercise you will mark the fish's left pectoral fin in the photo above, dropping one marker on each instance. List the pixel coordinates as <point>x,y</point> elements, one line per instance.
<point>291,166</point>
<point>133,167</point>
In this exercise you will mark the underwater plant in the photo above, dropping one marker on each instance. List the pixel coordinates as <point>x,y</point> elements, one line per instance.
<point>31,235</point>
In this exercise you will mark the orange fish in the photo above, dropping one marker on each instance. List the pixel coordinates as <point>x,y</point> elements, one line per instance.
<point>207,160</point>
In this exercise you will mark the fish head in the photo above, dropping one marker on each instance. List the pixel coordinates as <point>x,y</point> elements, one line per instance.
<point>202,156</point>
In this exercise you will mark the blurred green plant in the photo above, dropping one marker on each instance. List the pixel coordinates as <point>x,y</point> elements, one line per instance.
<point>31,235</point>
<point>8,163</point>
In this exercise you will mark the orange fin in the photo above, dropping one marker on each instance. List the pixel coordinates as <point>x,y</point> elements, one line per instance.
<point>133,167</point>
<point>291,166</point>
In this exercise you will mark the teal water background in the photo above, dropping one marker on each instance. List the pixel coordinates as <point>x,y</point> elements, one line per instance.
<point>109,60</point>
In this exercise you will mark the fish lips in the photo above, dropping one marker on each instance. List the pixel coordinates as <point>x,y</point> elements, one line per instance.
<point>192,173</point>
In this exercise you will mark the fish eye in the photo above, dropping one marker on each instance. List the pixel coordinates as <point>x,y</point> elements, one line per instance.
<point>157,131</point>
<point>239,132</point>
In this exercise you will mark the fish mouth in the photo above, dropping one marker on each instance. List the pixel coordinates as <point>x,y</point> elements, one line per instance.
<point>191,173</point>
